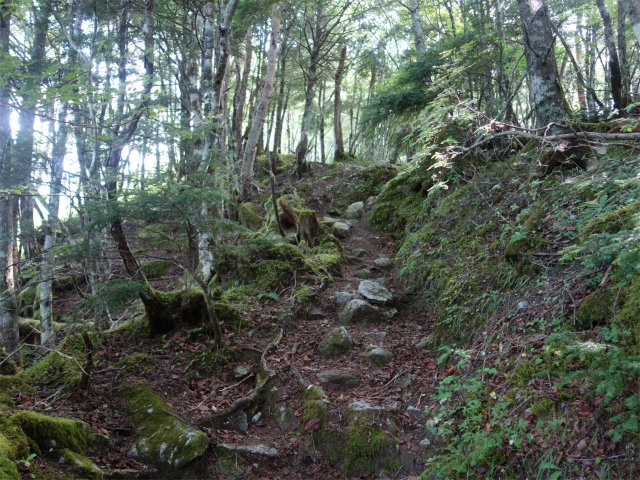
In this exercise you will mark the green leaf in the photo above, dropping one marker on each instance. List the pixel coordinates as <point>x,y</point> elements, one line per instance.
<point>270,296</point>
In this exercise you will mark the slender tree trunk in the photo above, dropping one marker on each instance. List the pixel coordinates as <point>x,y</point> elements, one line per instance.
<point>632,8</point>
<point>239,104</point>
<point>46,267</point>
<point>338,151</point>
<point>321,123</point>
<point>301,166</point>
<point>261,111</point>
<point>8,182</point>
<point>622,50</point>
<point>541,62</point>
<point>614,62</point>
<point>416,28</point>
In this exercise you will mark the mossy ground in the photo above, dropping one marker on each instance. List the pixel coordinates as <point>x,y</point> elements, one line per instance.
<point>54,432</point>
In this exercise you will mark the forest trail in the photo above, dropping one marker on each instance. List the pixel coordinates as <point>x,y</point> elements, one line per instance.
<point>397,394</point>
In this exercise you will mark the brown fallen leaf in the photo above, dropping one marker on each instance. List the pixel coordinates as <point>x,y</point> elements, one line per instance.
<point>448,373</point>
<point>431,364</point>
<point>312,425</point>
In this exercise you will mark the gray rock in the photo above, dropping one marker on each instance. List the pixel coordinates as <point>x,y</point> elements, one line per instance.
<point>256,417</point>
<point>405,381</point>
<point>329,221</point>
<point>337,380</point>
<point>383,281</point>
<point>378,357</point>
<point>355,210</point>
<point>389,312</point>
<point>359,311</point>
<point>285,418</point>
<point>364,406</point>
<point>359,253</point>
<point>316,314</point>
<point>371,202</point>
<point>340,230</point>
<point>241,371</point>
<point>238,421</point>
<point>98,445</point>
<point>384,263</point>
<point>342,298</point>
<point>374,292</point>
<point>364,273</point>
<point>523,304</point>
<point>426,342</point>
<point>261,450</point>
<point>376,334</point>
<point>336,343</point>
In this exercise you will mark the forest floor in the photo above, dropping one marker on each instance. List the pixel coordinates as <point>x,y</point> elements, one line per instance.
<point>297,360</point>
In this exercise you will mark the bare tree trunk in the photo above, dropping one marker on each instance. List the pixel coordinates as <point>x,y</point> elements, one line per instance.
<point>241,97</point>
<point>8,182</point>
<point>338,153</point>
<point>622,50</point>
<point>632,8</point>
<point>614,62</point>
<point>55,190</point>
<point>261,112</point>
<point>281,108</point>
<point>301,166</point>
<point>416,28</point>
<point>541,62</point>
<point>321,123</point>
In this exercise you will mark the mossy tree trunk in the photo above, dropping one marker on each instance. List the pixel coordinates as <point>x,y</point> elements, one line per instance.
<point>308,227</point>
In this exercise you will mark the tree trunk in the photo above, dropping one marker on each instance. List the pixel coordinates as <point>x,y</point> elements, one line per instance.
<point>632,8</point>
<point>51,226</point>
<point>321,123</point>
<point>8,182</point>
<point>541,63</point>
<point>301,166</point>
<point>241,97</point>
<point>614,62</point>
<point>416,28</point>
<point>308,227</point>
<point>261,112</point>
<point>280,109</point>
<point>338,152</point>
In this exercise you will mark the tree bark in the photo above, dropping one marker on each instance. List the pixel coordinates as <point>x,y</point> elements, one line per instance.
<point>338,152</point>
<point>632,8</point>
<point>614,62</point>
<point>541,62</point>
<point>263,105</point>
<point>241,97</point>
<point>416,28</point>
<point>8,183</point>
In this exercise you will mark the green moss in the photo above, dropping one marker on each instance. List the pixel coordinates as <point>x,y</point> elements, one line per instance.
<point>137,363</point>
<point>8,469</point>
<point>368,449</point>
<point>164,440</point>
<point>597,309</point>
<point>251,216</point>
<point>79,464</point>
<point>6,400</point>
<point>7,365</point>
<point>28,301</point>
<point>54,432</point>
<point>302,296</point>
<point>156,269</point>
<point>11,385</point>
<point>13,442</point>
<point>229,316</point>
<point>628,315</point>
<point>623,218</point>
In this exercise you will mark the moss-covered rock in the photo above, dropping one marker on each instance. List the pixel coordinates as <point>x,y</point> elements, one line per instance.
<point>13,442</point>
<point>164,441</point>
<point>337,343</point>
<point>251,216</point>
<point>54,432</point>
<point>8,469</point>
<point>228,316</point>
<point>29,329</point>
<point>28,301</point>
<point>79,464</point>
<point>7,365</point>
<point>624,218</point>
<point>11,385</point>
<point>597,309</point>
<point>137,363</point>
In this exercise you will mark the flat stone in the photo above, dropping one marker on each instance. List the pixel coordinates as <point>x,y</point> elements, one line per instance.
<point>359,253</point>
<point>405,381</point>
<point>342,298</point>
<point>424,343</point>
<point>336,343</point>
<point>385,263</point>
<point>374,292</point>
<point>364,273</point>
<point>238,422</point>
<point>355,210</point>
<point>337,380</point>
<point>358,311</point>
<point>328,221</point>
<point>241,371</point>
<point>316,314</point>
<point>383,281</point>
<point>340,230</point>
<point>378,357</point>
<point>376,334</point>
<point>364,406</point>
<point>261,450</point>
<point>389,312</point>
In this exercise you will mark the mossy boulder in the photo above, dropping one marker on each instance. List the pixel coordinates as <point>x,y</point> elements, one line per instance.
<point>164,441</point>
<point>378,357</point>
<point>8,469</point>
<point>251,216</point>
<point>29,329</point>
<point>13,442</point>
<point>359,312</point>
<point>337,343</point>
<point>10,384</point>
<point>624,218</point>
<point>28,301</point>
<point>597,309</point>
<point>228,315</point>
<point>7,365</point>
<point>79,464</point>
<point>54,432</point>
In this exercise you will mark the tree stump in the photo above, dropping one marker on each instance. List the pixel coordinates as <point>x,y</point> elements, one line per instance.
<point>289,217</point>
<point>308,227</point>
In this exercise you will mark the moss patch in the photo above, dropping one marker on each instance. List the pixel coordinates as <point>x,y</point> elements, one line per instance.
<point>251,216</point>
<point>596,309</point>
<point>13,442</point>
<point>156,269</point>
<point>8,469</point>
<point>623,218</point>
<point>137,363</point>
<point>79,464</point>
